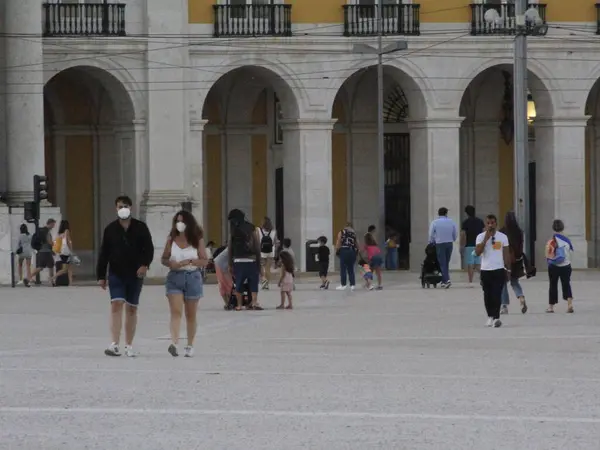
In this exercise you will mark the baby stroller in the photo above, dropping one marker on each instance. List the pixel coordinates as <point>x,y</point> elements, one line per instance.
<point>246,298</point>
<point>431,272</point>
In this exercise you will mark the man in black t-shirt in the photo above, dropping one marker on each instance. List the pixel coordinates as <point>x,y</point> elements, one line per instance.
<point>471,227</point>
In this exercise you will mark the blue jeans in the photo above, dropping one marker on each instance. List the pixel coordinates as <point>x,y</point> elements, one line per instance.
<point>391,259</point>
<point>517,289</point>
<point>188,283</point>
<point>125,289</point>
<point>347,262</point>
<point>444,252</point>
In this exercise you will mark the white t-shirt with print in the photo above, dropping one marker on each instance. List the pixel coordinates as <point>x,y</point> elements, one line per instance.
<point>492,257</point>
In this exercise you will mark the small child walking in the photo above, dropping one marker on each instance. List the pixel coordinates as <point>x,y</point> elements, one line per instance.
<point>323,254</point>
<point>286,281</point>
<point>367,274</point>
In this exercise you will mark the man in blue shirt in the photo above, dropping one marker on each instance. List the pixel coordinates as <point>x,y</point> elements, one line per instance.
<point>443,232</point>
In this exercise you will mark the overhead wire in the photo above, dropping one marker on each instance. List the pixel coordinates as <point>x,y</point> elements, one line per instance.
<point>427,51</point>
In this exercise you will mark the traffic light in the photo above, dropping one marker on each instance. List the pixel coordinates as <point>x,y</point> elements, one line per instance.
<point>31,212</point>
<point>40,188</point>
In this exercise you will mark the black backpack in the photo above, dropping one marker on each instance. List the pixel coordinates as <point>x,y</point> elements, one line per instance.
<point>266,243</point>
<point>36,241</point>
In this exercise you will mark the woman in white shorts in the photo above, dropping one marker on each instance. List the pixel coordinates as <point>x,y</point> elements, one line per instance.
<point>267,236</point>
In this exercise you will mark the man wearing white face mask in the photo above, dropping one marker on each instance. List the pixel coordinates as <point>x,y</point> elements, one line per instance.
<point>125,255</point>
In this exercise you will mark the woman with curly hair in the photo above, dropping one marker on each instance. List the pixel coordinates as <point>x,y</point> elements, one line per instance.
<point>184,255</point>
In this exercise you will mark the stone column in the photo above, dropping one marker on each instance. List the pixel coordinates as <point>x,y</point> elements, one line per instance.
<point>238,168</point>
<point>435,180</point>
<point>141,163</point>
<point>194,159</point>
<point>167,127</point>
<point>307,182</point>
<point>561,183</point>
<point>365,172</point>
<point>24,98</point>
<point>486,195</point>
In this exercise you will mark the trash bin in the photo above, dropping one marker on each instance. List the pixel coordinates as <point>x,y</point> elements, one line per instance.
<point>312,256</point>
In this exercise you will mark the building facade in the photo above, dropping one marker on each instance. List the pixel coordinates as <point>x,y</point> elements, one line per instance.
<point>264,106</point>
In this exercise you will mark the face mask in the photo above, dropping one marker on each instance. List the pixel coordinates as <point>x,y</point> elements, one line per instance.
<point>124,213</point>
<point>180,226</point>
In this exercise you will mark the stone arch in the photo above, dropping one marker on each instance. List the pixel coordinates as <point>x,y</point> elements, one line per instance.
<point>90,150</point>
<point>114,76</point>
<point>275,73</point>
<point>487,133</point>
<point>414,82</point>
<point>540,80</point>
<point>243,140</point>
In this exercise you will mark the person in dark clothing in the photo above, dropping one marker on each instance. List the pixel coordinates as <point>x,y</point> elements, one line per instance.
<point>323,253</point>
<point>517,261</point>
<point>244,257</point>
<point>472,226</point>
<point>126,253</point>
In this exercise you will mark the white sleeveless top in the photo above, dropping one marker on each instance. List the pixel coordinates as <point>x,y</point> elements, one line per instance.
<point>181,254</point>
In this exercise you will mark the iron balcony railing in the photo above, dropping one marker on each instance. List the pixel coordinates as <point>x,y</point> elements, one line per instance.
<point>84,19</point>
<point>252,20</point>
<point>401,19</point>
<point>506,23</point>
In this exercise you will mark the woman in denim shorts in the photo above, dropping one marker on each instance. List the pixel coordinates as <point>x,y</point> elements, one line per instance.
<point>184,255</point>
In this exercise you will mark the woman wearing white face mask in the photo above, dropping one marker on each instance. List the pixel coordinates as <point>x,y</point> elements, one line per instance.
<point>184,255</point>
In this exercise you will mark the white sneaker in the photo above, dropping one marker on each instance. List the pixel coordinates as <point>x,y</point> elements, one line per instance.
<point>352,288</point>
<point>129,351</point>
<point>370,288</point>
<point>341,288</point>
<point>489,322</point>
<point>112,350</point>
<point>497,323</point>
<point>188,351</point>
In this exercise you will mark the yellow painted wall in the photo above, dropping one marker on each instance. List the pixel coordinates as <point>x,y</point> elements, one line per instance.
<point>259,177</point>
<point>260,111</point>
<point>200,11</point>
<point>570,11</point>
<point>505,179</point>
<point>50,167</point>
<point>453,11</point>
<point>339,181</point>
<point>79,162</point>
<point>214,180</point>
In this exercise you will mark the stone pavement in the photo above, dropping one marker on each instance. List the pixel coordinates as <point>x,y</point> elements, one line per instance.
<point>405,368</point>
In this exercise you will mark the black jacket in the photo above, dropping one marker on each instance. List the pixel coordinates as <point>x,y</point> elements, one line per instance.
<point>123,251</point>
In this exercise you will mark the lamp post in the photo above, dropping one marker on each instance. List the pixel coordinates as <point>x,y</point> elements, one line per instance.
<point>528,22</point>
<point>380,51</point>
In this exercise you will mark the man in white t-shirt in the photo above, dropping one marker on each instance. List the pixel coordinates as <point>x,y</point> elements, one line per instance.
<point>492,246</point>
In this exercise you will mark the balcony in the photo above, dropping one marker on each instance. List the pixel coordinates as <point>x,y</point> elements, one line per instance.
<point>505,25</point>
<point>252,20</point>
<point>83,19</point>
<point>399,20</point>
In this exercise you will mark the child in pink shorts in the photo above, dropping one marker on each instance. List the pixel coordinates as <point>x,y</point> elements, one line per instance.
<point>286,282</point>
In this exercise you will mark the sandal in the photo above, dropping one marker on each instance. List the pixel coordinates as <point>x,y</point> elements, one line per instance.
<point>279,307</point>
<point>570,310</point>
<point>237,308</point>
<point>256,308</point>
<point>289,307</point>
<point>524,306</point>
